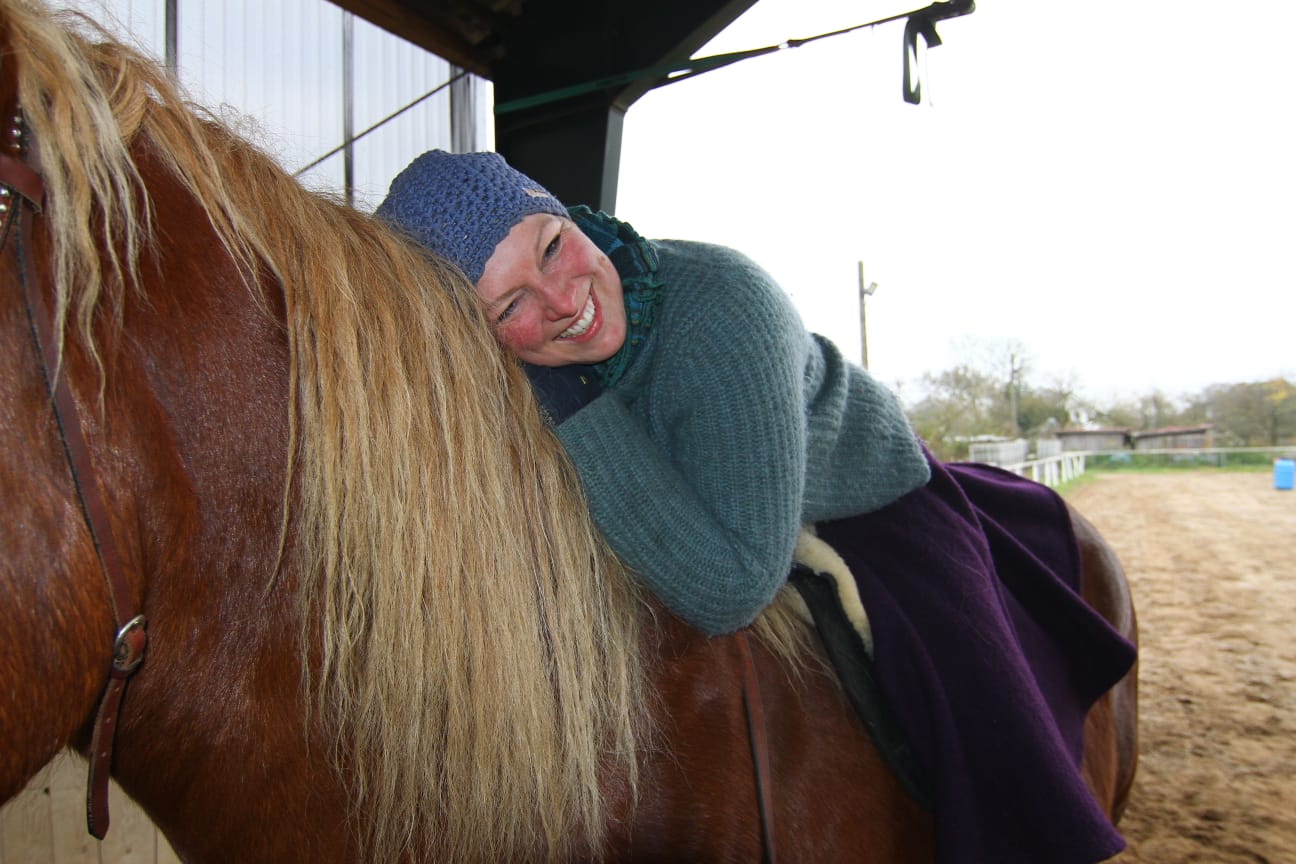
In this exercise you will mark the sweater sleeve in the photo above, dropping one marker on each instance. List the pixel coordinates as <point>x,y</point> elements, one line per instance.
<point>862,453</point>
<point>696,474</point>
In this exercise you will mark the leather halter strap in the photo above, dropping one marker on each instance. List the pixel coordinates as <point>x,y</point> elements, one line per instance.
<point>22,192</point>
<point>757,734</point>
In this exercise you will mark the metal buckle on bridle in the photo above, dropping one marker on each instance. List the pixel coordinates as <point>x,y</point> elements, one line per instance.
<point>128,647</point>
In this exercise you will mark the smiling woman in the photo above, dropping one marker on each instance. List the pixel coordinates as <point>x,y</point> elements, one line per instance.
<point>709,390</point>
<point>714,426</point>
<point>554,296</point>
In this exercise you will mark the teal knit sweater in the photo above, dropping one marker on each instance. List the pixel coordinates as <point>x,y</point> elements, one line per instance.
<point>731,428</point>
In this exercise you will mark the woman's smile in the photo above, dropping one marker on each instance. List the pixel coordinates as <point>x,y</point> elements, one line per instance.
<point>582,324</point>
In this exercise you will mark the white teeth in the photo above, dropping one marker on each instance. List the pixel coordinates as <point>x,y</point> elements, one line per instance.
<point>582,323</point>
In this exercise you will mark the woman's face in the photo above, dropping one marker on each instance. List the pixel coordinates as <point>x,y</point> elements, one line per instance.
<point>553,297</point>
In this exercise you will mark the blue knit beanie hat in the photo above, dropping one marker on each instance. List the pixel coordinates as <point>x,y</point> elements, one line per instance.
<point>461,205</point>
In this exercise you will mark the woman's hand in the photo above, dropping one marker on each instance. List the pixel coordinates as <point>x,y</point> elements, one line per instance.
<point>563,390</point>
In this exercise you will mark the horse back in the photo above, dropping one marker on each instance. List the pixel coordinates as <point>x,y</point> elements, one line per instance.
<point>832,794</point>
<point>1111,727</point>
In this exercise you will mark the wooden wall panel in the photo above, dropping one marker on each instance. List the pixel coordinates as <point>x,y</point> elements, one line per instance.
<point>46,823</point>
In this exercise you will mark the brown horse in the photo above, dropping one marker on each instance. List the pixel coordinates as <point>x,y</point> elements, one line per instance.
<point>380,625</point>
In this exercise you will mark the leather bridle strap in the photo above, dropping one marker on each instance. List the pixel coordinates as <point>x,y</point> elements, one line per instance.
<point>757,734</point>
<point>132,638</point>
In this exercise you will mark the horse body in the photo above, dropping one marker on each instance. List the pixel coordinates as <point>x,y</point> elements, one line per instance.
<point>229,735</point>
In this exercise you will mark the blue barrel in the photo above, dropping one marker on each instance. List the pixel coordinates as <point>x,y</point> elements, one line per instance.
<point>1284,473</point>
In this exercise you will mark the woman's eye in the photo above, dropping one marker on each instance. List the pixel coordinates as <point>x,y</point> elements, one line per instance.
<point>506,312</point>
<point>552,249</point>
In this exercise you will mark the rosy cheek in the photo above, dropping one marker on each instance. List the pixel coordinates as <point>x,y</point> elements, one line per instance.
<point>520,335</point>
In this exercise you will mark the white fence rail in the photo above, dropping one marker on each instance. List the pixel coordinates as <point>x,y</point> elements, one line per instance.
<point>1055,470</point>
<point>1051,471</point>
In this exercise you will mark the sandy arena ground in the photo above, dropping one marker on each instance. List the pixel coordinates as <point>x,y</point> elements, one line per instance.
<point>1211,558</point>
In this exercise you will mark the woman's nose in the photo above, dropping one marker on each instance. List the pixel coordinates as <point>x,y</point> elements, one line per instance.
<point>559,296</point>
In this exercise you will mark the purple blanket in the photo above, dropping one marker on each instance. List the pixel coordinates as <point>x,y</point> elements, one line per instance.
<point>989,658</point>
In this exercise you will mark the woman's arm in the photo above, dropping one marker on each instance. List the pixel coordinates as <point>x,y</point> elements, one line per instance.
<point>694,468</point>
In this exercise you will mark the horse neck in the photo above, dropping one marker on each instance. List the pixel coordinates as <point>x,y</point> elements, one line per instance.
<point>52,617</point>
<point>189,442</point>
<point>205,384</point>
<point>56,622</point>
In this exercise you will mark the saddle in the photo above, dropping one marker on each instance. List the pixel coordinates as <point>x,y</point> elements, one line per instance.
<point>832,599</point>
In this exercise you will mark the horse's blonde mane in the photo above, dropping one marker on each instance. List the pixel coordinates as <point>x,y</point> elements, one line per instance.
<point>478,642</point>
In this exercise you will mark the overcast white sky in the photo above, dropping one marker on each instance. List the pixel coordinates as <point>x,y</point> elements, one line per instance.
<point>1111,184</point>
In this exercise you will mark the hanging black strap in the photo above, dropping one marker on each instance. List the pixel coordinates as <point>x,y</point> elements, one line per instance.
<point>854,667</point>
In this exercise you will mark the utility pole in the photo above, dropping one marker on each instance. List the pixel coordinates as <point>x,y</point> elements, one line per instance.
<point>865,290</point>
<point>1014,390</point>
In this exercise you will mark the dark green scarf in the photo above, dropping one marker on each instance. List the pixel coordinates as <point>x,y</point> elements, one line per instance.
<point>636,262</point>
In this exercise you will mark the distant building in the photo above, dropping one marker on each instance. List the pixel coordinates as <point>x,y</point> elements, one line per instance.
<point>1046,447</point>
<point>1175,438</point>
<point>1094,439</point>
<point>999,452</point>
